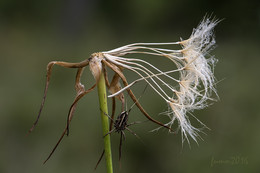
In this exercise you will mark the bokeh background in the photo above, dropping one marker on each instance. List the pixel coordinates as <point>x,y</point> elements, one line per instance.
<point>32,33</point>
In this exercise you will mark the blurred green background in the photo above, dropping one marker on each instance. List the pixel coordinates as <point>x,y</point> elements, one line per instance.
<point>32,33</point>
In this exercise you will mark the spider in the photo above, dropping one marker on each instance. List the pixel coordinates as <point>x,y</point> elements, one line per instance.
<point>120,125</point>
<point>97,63</point>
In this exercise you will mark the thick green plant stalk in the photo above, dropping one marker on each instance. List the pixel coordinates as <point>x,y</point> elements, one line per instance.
<point>105,121</point>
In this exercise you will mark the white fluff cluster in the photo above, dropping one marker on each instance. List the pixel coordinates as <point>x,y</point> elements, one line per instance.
<point>195,84</point>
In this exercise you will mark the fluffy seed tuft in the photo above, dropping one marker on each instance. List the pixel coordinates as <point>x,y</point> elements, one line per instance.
<point>195,67</point>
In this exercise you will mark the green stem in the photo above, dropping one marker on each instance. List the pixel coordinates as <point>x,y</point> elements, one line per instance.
<point>105,121</point>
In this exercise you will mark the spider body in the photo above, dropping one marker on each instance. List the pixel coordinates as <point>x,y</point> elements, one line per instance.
<point>120,123</point>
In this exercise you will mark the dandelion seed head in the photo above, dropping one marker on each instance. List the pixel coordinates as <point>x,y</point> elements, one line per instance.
<point>194,64</point>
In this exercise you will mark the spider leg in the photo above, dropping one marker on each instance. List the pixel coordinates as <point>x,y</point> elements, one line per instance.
<point>123,135</point>
<point>48,75</point>
<point>138,99</point>
<point>109,132</point>
<point>120,144</point>
<point>136,122</point>
<point>107,116</point>
<point>131,131</point>
<point>99,160</point>
<point>116,70</point>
